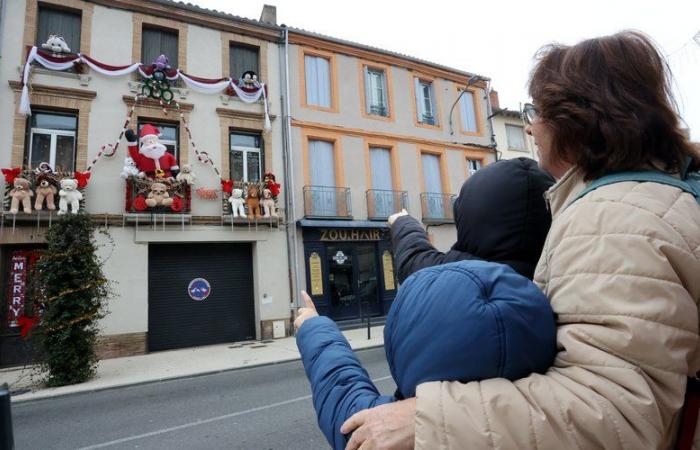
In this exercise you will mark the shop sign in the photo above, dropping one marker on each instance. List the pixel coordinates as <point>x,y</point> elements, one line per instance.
<point>388,265</point>
<point>351,235</point>
<point>199,289</point>
<point>18,289</point>
<point>315,274</point>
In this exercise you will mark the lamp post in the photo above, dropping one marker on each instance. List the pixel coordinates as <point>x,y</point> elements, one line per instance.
<point>473,79</point>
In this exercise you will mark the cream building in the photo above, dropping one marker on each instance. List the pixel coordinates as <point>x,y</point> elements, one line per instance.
<point>509,130</point>
<point>371,133</point>
<point>152,259</point>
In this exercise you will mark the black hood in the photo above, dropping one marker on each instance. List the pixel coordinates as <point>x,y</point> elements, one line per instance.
<point>501,215</point>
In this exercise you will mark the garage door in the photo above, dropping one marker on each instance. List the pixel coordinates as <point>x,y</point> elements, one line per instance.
<point>199,294</point>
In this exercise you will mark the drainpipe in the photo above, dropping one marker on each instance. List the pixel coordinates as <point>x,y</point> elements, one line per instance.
<point>289,185</point>
<point>489,117</point>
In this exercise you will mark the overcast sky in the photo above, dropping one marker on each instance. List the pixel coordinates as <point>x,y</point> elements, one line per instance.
<point>498,38</point>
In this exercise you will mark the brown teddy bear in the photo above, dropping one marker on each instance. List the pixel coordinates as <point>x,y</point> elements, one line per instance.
<point>268,204</point>
<point>159,195</point>
<point>253,202</point>
<point>21,193</point>
<point>46,189</point>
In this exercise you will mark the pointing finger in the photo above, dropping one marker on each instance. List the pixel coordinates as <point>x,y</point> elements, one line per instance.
<point>307,300</point>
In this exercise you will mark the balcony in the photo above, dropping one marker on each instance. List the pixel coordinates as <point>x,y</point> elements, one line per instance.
<point>327,202</point>
<point>437,208</point>
<point>382,203</point>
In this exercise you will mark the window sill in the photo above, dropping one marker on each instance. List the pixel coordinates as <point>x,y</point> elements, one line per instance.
<point>226,99</point>
<point>84,79</point>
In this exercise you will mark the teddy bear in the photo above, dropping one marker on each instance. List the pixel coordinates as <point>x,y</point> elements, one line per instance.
<point>237,202</point>
<point>268,204</point>
<point>130,169</point>
<point>21,193</point>
<point>253,202</point>
<point>56,44</point>
<point>186,175</point>
<point>158,195</point>
<point>249,80</point>
<point>45,189</point>
<point>69,195</point>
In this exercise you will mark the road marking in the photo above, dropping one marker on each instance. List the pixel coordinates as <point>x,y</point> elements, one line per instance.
<point>205,421</point>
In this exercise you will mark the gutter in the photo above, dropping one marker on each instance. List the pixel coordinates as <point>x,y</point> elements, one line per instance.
<point>489,118</point>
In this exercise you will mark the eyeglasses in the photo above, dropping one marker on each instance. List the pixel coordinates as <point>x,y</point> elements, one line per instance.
<point>529,113</point>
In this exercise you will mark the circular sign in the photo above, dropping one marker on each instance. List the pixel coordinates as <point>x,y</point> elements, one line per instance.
<point>199,289</point>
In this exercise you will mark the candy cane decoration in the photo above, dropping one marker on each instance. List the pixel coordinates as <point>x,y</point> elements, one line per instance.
<point>113,147</point>
<point>202,156</point>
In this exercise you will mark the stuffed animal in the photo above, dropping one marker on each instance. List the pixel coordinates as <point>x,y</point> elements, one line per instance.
<point>56,44</point>
<point>268,204</point>
<point>249,80</point>
<point>271,183</point>
<point>159,195</point>
<point>253,202</point>
<point>186,175</point>
<point>21,193</point>
<point>130,169</point>
<point>45,189</point>
<point>161,63</point>
<point>69,195</point>
<point>237,202</point>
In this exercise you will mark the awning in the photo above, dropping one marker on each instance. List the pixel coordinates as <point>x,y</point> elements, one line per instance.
<point>307,223</point>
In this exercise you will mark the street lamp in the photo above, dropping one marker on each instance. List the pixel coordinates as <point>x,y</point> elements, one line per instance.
<point>473,79</point>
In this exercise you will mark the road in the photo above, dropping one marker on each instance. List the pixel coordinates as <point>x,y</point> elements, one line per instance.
<point>267,407</point>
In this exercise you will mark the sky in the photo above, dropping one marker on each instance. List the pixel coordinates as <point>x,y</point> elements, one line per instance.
<point>498,39</point>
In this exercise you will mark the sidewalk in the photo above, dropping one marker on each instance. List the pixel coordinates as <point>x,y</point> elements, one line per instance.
<point>167,365</point>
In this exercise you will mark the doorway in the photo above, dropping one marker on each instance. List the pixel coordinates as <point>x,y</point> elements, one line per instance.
<point>353,281</point>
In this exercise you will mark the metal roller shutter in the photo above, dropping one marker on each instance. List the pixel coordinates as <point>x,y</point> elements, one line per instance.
<point>175,320</point>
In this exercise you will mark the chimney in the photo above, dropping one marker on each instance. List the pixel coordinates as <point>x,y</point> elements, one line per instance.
<point>269,14</point>
<point>493,97</point>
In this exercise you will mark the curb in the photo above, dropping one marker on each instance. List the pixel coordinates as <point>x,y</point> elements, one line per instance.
<point>37,397</point>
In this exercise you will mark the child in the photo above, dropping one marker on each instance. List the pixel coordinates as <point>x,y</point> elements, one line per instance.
<point>500,216</point>
<point>463,321</point>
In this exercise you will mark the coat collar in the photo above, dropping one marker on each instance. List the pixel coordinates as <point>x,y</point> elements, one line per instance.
<point>564,191</point>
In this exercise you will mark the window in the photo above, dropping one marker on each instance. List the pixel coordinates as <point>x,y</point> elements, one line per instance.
<point>156,42</point>
<point>246,157</point>
<point>425,102</point>
<point>60,22</point>
<point>242,59</point>
<point>318,81</point>
<point>433,198</point>
<point>382,181</point>
<point>376,92</point>
<point>52,139</point>
<point>322,177</point>
<point>473,165</point>
<point>516,137</point>
<point>169,135</point>
<point>466,107</point>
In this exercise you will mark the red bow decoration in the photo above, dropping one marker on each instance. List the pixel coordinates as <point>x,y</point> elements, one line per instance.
<point>26,324</point>
<point>227,186</point>
<point>11,174</point>
<point>83,178</point>
<point>274,188</point>
<point>140,203</point>
<point>177,204</point>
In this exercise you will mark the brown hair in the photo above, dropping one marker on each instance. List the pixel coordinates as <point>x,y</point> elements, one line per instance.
<point>609,104</point>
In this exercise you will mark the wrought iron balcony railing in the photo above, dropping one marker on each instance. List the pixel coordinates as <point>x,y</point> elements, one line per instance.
<point>327,202</point>
<point>382,203</point>
<point>436,207</point>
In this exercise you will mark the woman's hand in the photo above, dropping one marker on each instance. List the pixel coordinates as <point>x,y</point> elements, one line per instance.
<point>395,216</point>
<point>389,426</point>
<point>307,312</point>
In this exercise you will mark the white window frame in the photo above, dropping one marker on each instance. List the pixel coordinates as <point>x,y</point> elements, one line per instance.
<point>421,103</point>
<point>522,133</point>
<point>246,151</point>
<point>54,134</point>
<point>160,126</point>
<point>379,89</point>
<point>473,165</point>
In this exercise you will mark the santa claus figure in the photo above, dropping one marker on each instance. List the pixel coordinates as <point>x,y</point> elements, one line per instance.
<point>152,158</point>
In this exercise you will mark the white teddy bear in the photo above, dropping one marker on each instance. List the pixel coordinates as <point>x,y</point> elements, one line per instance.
<point>56,44</point>
<point>237,202</point>
<point>69,194</point>
<point>130,168</point>
<point>186,175</point>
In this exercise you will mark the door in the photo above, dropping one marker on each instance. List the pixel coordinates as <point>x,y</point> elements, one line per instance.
<point>353,281</point>
<point>382,182</point>
<point>199,294</point>
<point>322,176</point>
<point>433,185</point>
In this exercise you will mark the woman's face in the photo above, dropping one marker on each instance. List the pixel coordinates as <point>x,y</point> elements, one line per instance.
<point>543,136</point>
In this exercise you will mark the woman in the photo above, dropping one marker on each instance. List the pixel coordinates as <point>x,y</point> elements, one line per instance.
<point>620,266</point>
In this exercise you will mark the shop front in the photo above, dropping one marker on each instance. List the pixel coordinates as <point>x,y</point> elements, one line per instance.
<point>349,268</point>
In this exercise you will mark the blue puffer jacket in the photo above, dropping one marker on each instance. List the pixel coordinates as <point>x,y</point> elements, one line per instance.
<point>463,321</point>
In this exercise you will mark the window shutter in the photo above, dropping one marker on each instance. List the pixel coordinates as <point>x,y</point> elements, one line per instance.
<point>243,59</point>
<point>368,91</point>
<point>468,113</point>
<point>155,42</point>
<point>516,138</point>
<point>311,80</point>
<point>420,102</point>
<point>324,82</point>
<point>60,23</point>
<point>322,163</point>
<point>431,172</point>
<point>380,160</point>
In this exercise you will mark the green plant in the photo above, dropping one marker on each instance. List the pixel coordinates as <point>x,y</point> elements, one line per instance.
<point>74,292</point>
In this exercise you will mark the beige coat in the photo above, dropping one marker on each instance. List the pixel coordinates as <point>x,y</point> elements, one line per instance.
<point>621,267</point>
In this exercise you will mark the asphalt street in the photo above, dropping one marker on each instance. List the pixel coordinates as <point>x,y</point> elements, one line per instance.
<point>260,408</point>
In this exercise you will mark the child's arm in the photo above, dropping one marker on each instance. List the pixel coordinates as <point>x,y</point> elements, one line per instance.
<point>339,384</point>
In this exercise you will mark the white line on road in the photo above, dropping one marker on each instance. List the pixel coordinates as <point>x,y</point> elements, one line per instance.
<point>205,421</point>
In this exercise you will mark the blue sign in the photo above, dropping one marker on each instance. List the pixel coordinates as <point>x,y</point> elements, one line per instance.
<point>199,289</point>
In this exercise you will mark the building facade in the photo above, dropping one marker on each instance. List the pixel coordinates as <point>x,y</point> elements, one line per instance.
<point>159,261</point>
<point>372,133</point>
<point>509,131</point>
